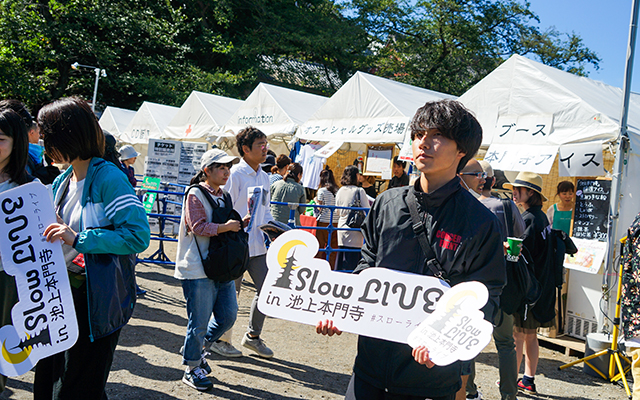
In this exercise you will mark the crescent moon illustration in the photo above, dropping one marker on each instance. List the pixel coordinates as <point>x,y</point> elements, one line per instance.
<point>462,294</point>
<point>15,358</point>
<point>284,250</point>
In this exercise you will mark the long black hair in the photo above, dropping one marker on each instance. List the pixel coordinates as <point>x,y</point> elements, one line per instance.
<point>12,125</point>
<point>327,180</point>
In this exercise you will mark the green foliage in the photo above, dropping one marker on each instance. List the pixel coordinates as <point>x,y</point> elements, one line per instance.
<point>162,50</point>
<point>449,45</point>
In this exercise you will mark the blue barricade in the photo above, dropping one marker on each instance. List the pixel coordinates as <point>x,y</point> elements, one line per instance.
<point>160,257</point>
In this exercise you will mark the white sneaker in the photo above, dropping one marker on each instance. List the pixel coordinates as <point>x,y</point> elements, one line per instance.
<point>478,396</point>
<point>257,345</point>
<point>225,349</point>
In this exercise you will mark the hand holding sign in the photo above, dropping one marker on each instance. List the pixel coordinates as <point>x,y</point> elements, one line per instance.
<point>457,329</point>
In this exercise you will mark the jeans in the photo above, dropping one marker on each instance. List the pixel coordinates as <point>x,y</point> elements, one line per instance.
<point>204,297</point>
<point>507,361</point>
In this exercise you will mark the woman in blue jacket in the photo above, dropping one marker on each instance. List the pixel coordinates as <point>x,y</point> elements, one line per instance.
<point>102,225</point>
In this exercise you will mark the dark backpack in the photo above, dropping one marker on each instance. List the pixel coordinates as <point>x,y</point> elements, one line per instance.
<point>522,290</point>
<point>45,173</point>
<point>228,256</point>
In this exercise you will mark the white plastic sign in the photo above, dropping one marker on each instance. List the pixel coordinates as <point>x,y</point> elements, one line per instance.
<point>457,329</point>
<point>377,302</point>
<point>44,319</point>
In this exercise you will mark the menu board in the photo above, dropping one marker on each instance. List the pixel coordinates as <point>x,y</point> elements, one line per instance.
<point>592,209</point>
<point>173,162</point>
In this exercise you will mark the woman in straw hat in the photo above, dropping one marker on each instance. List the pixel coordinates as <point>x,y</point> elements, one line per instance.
<point>527,193</point>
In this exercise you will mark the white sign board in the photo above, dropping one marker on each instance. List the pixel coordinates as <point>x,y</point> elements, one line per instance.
<point>44,319</point>
<point>589,256</point>
<point>457,329</point>
<point>523,129</point>
<point>377,302</point>
<point>509,157</point>
<point>581,159</point>
<point>328,149</point>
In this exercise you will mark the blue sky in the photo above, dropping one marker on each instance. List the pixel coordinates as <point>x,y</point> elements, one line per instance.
<point>604,28</point>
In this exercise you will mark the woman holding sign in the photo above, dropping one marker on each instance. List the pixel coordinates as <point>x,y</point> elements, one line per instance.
<point>102,225</point>
<point>13,160</point>
<point>527,193</point>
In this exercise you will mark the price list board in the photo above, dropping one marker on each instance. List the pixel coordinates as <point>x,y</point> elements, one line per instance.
<point>592,209</point>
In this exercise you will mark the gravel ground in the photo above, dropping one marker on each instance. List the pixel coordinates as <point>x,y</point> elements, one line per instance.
<point>306,365</point>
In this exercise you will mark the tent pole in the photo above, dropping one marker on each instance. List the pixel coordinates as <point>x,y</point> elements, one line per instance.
<point>623,146</point>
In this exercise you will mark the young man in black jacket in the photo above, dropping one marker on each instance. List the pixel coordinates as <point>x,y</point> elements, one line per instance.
<point>463,234</point>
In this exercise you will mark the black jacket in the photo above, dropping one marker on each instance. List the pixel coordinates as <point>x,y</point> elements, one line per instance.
<point>465,236</point>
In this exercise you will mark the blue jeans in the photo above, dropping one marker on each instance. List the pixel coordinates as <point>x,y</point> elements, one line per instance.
<point>204,297</point>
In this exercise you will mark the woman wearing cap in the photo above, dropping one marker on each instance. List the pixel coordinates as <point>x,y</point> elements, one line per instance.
<point>527,193</point>
<point>128,157</point>
<point>204,296</point>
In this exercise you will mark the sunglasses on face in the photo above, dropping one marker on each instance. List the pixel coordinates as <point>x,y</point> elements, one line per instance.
<point>480,175</point>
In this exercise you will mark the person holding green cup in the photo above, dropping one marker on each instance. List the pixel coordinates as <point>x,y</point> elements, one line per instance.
<point>527,193</point>
<point>514,248</point>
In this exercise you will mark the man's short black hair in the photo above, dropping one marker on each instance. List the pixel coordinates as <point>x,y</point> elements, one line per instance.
<point>399,162</point>
<point>71,130</point>
<point>454,121</point>
<point>246,137</point>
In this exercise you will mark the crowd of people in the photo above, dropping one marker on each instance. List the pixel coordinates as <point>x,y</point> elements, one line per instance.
<point>99,213</point>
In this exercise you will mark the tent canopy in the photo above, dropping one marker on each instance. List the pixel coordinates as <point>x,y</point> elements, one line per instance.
<point>149,122</point>
<point>368,109</point>
<point>201,115</point>
<point>275,110</point>
<point>519,96</point>
<point>115,120</point>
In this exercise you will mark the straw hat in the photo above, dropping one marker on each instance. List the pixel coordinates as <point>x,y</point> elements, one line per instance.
<point>528,180</point>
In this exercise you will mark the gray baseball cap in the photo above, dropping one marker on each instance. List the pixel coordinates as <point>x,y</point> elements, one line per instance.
<point>217,156</point>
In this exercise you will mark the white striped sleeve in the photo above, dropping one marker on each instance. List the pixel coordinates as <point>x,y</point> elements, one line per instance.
<point>120,203</point>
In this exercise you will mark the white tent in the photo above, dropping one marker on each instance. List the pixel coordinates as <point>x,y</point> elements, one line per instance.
<point>115,120</point>
<point>368,109</point>
<point>149,122</point>
<point>200,116</point>
<point>275,110</point>
<point>578,108</point>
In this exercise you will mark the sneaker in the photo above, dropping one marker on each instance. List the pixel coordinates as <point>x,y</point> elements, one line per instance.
<point>197,379</point>
<point>477,396</point>
<point>204,365</point>
<point>529,389</point>
<point>257,345</point>
<point>225,349</point>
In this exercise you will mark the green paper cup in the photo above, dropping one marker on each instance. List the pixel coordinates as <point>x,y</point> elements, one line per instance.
<point>515,244</point>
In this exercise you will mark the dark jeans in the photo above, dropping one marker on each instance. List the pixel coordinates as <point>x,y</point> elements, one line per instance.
<point>8,298</point>
<point>82,371</point>
<point>347,260</point>
<point>361,390</point>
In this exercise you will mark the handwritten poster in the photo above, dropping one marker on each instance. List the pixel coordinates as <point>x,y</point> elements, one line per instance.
<point>589,256</point>
<point>591,215</point>
<point>377,302</point>
<point>44,319</point>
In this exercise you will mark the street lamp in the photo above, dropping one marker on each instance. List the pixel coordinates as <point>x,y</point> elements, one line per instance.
<point>99,72</point>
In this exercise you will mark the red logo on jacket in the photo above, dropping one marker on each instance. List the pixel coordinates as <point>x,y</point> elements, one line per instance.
<point>449,241</point>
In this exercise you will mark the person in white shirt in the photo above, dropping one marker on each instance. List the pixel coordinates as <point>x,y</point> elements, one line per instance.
<point>247,176</point>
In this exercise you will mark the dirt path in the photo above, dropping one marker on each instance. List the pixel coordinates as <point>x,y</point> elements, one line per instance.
<point>305,366</point>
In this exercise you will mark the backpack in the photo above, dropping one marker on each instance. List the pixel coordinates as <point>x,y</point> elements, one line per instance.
<point>228,256</point>
<point>45,173</point>
<point>522,290</point>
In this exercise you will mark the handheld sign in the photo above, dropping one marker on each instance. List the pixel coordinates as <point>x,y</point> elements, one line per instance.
<point>44,319</point>
<point>457,329</point>
<point>377,302</point>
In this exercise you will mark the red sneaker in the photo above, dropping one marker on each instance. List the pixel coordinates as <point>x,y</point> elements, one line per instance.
<point>529,389</point>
